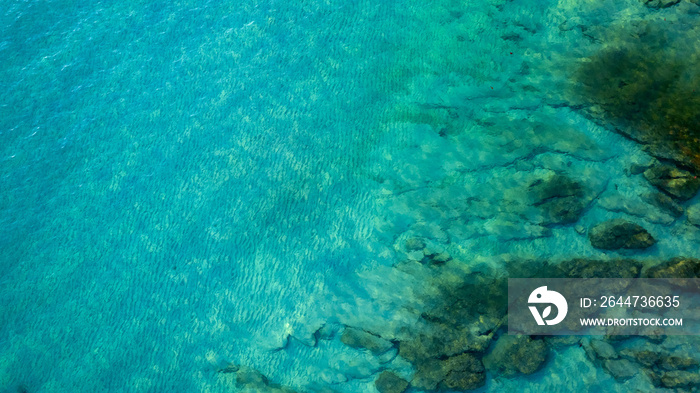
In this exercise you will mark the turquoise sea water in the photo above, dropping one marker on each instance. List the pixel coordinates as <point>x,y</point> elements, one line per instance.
<point>196,184</point>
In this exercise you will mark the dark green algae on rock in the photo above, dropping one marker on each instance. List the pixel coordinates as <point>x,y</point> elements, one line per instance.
<point>454,330</point>
<point>512,355</point>
<point>679,267</point>
<point>462,337</point>
<point>466,336</point>
<point>677,183</point>
<point>561,199</point>
<point>357,338</point>
<point>389,382</point>
<point>619,233</point>
<point>644,81</point>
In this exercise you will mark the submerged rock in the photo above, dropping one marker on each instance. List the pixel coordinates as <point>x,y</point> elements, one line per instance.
<point>683,269</point>
<point>253,380</point>
<point>560,199</point>
<point>429,374</point>
<point>665,203</point>
<point>676,182</point>
<point>592,268</point>
<point>677,362</point>
<point>251,377</point>
<point>679,379</point>
<point>513,355</point>
<point>621,369</point>
<point>419,349</point>
<point>679,267</point>
<point>464,372</point>
<point>603,349</point>
<point>646,88</point>
<point>389,382</point>
<point>644,357</point>
<point>694,215</point>
<point>637,207</point>
<point>415,244</point>
<point>357,338</point>
<point>461,372</point>
<point>443,343</point>
<point>636,168</point>
<point>619,233</point>
<point>438,258</point>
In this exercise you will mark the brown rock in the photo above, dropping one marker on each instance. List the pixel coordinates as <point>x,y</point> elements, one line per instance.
<point>465,372</point>
<point>619,233</point>
<point>389,382</point>
<point>676,182</point>
<point>513,355</point>
<point>679,267</point>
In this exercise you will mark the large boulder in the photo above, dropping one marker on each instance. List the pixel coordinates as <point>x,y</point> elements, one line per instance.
<point>619,233</point>
<point>357,338</point>
<point>676,182</point>
<point>429,374</point>
<point>461,372</point>
<point>389,382</point>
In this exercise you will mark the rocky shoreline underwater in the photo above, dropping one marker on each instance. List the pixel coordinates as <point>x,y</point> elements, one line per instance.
<point>525,180</point>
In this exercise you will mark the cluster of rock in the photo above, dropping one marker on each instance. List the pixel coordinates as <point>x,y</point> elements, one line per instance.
<point>464,338</point>
<point>449,347</point>
<point>449,361</point>
<point>664,369</point>
<point>642,89</point>
<point>675,186</point>
<point>460,338</point>
<point>562,200</point>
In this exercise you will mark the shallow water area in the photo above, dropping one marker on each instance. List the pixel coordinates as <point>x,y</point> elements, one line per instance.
<point>282,196</point>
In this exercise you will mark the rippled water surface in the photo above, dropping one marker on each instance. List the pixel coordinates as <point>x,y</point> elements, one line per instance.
<point>197,194</point>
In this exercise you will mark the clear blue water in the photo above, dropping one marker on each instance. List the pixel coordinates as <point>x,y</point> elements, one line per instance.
<point>194,184</point>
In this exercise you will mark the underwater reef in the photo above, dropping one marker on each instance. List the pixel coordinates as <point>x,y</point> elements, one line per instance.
<point>643,83</point>
<point>462,335</point>
<point>646,83</point>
